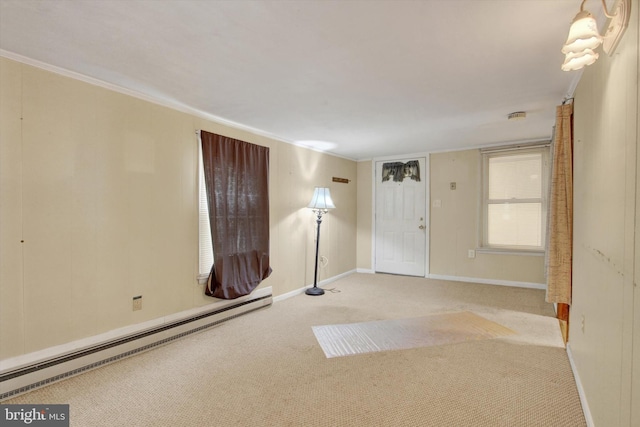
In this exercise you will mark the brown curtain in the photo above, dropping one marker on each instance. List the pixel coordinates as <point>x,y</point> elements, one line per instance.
<point>236,176</point>
<point>560,235</point>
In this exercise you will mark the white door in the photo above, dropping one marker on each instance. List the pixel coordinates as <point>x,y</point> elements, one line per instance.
<point>400,217</point>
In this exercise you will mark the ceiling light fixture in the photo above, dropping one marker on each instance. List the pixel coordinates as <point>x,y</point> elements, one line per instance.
<point>584,37</point>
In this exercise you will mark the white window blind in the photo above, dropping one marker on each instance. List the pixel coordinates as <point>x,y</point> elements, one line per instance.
<point>204,239</point>
<point>515,198</point>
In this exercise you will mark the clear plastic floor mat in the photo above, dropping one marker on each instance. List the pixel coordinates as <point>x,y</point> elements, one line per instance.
<point>399,334</point>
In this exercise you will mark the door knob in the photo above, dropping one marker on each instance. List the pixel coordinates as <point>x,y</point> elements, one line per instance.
<point>421,227</point>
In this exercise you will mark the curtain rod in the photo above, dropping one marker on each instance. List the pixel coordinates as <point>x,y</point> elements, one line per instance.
<point>516,147</point>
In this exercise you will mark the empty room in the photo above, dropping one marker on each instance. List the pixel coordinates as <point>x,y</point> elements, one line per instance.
<point>319,213</point>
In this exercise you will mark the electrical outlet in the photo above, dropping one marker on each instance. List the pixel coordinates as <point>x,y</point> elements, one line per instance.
<point>471,253</point>
<point>137,303</point>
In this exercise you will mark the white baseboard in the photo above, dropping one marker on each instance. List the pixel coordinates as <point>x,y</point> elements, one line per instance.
<point>289,294</point>
<point>516,284</point>
<point>581,393</point>
<point>302,289</point>
<point>365,271</point>
<point>27,372</point>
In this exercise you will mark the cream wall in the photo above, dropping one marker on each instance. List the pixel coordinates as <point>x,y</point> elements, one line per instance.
<point>606,263</point>
<point>365,211</point>
<point>101,188</point>
<point>455,225</point>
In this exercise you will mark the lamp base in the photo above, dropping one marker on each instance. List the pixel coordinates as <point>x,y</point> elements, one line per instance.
<point>314,291</point>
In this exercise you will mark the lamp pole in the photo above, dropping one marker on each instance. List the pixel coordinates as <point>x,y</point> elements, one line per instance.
<point>316,290</point>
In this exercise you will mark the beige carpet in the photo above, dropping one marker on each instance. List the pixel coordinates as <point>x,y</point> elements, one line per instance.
<point>267,368</point>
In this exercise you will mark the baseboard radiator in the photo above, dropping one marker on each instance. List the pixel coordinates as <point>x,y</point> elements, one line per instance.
<point>26,378</point>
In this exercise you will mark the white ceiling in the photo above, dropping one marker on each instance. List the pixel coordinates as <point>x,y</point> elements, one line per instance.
<point>360,78</point>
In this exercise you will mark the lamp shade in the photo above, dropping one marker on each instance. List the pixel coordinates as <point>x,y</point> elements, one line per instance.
<point>321,199</point>
<point>583,34</point>
<point>575,61</point>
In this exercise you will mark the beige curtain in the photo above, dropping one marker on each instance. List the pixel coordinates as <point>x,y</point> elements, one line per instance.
<point>561,210</point>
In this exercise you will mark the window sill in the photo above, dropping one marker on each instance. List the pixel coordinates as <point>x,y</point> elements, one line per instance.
<point>499,251</point>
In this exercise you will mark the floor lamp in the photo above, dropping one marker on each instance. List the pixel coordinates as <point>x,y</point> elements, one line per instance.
<point>320,204</point>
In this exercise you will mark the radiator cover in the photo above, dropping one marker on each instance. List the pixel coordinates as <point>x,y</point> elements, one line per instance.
<point>22,379</point>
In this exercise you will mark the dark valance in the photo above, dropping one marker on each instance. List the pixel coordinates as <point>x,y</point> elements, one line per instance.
<point>399,171</point>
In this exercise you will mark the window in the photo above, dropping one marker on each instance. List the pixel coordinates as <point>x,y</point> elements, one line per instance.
<point>205,249</point>
<point>514,208</point>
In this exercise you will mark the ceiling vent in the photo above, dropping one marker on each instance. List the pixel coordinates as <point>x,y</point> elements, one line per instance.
<point>518,115</point>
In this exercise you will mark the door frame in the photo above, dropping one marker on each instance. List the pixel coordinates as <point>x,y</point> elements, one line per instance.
<point>427,198</point>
